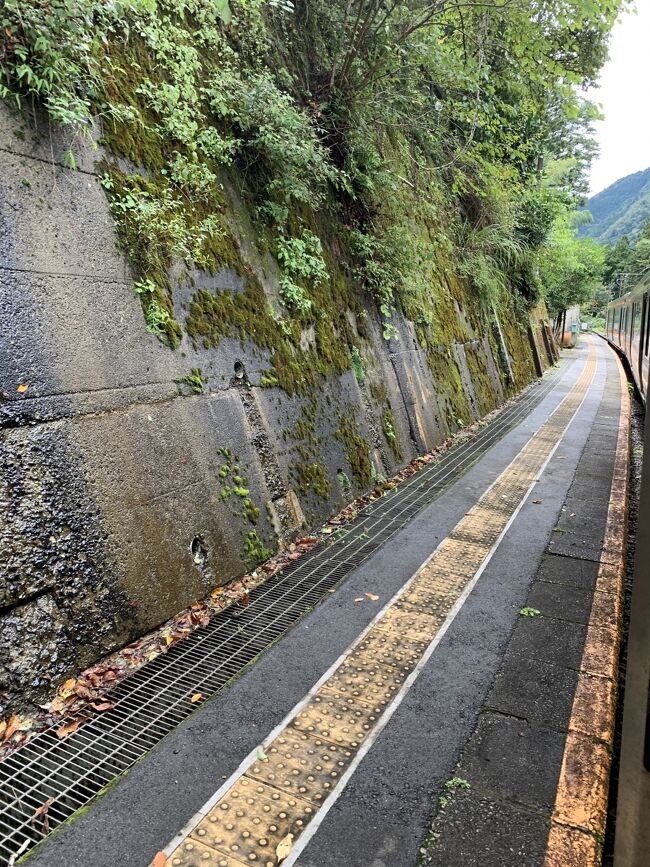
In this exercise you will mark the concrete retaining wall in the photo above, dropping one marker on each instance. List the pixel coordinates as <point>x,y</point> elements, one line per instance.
<point>115,511</point>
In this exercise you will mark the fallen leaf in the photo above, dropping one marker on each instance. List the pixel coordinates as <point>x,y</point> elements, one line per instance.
<point>160,859</point>
<point>537,502</point>
<point>196,697</point>
<point>105,705</point>
<point>284,847</point>
<point>68,686</point>
<point>372,596</point>
<point>22,388</point>
<point>261,755</point>
<point>41,813</point>
<point>12,726</point>
<point>359,599</point>
<point>3,728</point>
<point>69,728</point>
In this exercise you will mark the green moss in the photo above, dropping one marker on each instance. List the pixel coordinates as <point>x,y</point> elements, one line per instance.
<point>313,477</point>
<point>518,346</point>
<point>486,397</point>
<point>448,384</point>
<point>248,315</point>
<point>233,484</point>
<point>195,380</point>
<point>133,133</point>
<point>255,551</point>
<point>356,448</point>
<point>251,510</point>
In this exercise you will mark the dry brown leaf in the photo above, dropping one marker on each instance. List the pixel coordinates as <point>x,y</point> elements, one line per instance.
<point>69,728</point>
<point>12,726</point>
<point>284,847</point>
<point>104,705</point>
<point>22,388</point>
<point>196,697</point>
<point>372,596</point>
<point>3,728</point>
<point>160,859</point>
<point>41,813</point>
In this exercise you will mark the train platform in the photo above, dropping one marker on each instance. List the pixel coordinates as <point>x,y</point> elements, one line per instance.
<point>451,702</point>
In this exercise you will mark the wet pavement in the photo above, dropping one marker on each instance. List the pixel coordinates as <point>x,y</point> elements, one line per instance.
<point>450,703</point>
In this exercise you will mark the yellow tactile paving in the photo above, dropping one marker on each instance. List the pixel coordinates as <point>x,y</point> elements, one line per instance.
<point>345,722</point>
<point>280,793</point>
<point>259,816</point>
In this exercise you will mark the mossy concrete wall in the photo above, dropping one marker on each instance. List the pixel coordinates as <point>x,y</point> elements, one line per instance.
<point>126,493</point>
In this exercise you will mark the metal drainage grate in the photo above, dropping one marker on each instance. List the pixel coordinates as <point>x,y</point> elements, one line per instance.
<point>67,774</point>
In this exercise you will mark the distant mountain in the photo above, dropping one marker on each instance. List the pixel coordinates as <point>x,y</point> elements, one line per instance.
<point>621,209</point>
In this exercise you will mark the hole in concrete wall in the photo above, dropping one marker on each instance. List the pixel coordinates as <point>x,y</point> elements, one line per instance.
<point>239,370</point>
<point>199,551</point>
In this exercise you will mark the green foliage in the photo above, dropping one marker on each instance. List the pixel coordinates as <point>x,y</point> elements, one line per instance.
<point>527,611</point>
<point>570,268</point>
<point>273,134</point>
<point>489,257</point>
<point>302,260</point>
<point>382,150</point>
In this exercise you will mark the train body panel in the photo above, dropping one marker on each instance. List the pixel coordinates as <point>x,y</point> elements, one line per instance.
<point>628,328</point>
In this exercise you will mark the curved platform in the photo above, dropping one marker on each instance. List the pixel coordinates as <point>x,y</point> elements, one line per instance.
<point>450,703</point>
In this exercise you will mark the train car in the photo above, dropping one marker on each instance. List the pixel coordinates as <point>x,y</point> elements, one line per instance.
<point>628,329</point>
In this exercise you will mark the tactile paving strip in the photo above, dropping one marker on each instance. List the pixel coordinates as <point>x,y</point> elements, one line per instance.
<point>304,763</point>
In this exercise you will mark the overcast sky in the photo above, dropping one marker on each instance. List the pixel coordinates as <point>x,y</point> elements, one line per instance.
<point>624,135</point>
